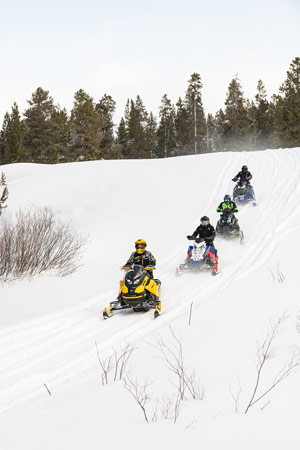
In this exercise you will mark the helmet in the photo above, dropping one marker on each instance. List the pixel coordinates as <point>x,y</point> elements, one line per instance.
<point>140,246</point>
<point>227,198</point>
<point>244,169</point>
<point>204,221</point>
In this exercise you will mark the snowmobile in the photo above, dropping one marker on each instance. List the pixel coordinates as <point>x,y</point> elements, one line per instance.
<point>199,257</point>
<point>138,292</point>
<point>227,226</point>
<point>243,192</point>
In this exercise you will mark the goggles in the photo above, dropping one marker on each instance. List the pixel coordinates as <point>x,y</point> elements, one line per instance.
<point>140,246</point>
<point>205,222</point>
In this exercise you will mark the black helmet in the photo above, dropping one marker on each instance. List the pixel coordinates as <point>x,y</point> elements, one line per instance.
<point>244,169</point>
<point>204,221</point>
<point>227,198</point>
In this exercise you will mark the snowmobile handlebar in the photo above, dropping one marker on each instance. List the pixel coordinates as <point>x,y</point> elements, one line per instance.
<point>146,268</point>
<point>192,238</point>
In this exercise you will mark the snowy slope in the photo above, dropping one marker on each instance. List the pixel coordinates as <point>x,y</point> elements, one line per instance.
<point>49,325</point>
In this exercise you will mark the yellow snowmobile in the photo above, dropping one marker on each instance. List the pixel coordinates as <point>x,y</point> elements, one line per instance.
<point>137,291</point>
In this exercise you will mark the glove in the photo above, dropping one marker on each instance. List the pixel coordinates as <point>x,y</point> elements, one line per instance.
<point>198,240</point>
<point>125,268</point>
<point>234,179</point>
<point>149,268</point>
<point>190,238</point>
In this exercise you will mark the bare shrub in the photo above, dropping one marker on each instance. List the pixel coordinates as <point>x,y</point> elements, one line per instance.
<point>115,363</point>
<point>190,315</point>
<point>139,392</point>
<point>187,381</point>
<point>170,407</point>
<point>106,366</point>
<point>298,324</point>
<point>265,351</point>
<point>277,275</point>
<point>235,394</point>
<point>37,241</point>
<point>121,360</point>
<point>4,195</point>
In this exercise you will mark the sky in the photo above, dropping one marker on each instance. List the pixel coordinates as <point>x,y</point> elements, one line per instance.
<point>132,48</point>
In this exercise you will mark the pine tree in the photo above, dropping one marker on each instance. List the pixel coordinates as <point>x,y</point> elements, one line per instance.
<point>136,119</point>
<point>122,138</point>
<point>3,139</point>
<point>4,195</point>
<point>38,132</point>
<point>61,139</point>
<point>105,108</point>
<point>237,125</point>
<point>263,125</point>
<point>166,133</point>
<point>11,136</point>
<point>86,131</point>
<point>252,118</point>
<point>287,114</point>
<point>219,130</point>
<point>15,136</point>
<point>193,104</point>
<point>182,126</point>
<point>151,136</point>
<point>273,138</point>
<point>211,133</point>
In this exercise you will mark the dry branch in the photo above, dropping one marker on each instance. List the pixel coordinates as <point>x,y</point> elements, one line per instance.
<point>264,353</point>
<point>106,366</point>
<point>139,392</point>
<point>116,362</point>
<point>187,381</point>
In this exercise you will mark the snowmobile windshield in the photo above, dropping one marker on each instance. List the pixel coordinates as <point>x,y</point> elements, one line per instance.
<point>199,246</point>
<point>226,218</point>
<point>136,275</point>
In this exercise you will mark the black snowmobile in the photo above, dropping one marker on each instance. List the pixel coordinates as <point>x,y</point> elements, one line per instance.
<point>228,227</point>
<point>243,193</point>
<point>138,292</point>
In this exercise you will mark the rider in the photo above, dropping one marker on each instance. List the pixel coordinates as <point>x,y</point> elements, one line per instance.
<point>228,206</point>
<point>141,257</point>
<point>206,232</point>
<point>243,175</point>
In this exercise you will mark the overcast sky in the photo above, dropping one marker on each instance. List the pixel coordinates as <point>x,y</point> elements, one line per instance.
<point>125,48</point>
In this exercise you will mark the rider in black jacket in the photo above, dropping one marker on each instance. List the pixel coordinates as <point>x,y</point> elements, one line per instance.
<point>243,175</point>
<point>204,231</point>
<point>141,257</point>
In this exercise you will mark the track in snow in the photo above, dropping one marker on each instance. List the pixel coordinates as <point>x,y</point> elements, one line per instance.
<point>55,349</point>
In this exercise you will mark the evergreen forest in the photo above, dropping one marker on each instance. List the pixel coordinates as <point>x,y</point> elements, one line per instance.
<point>46,133</point>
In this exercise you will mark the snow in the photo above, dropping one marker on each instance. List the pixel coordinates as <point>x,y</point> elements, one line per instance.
<point>49,325</point>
